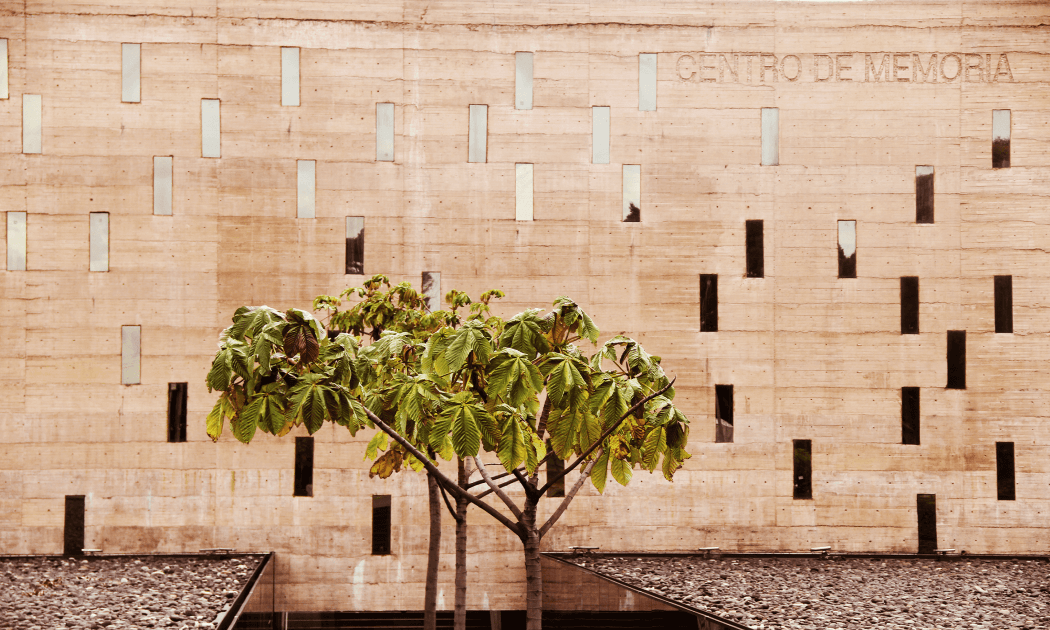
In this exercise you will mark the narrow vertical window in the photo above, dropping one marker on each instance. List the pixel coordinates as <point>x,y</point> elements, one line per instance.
<point>162,188</point>
<point>523,80</point>
<point>909,305</point>
<point>210,145</point>
<point>956,359</point>
<point>847,249</point>
<point>98,237</point>
<point>803,469</point>
<point>384,132</point>
<point>380,524</point>
<point>924,194</point>
<point>290,77</point>
<point>4,90</point>
<point>600,120</point>
<point>910,415</point>
<point>927,509</point>
<point>770,136</point>
<point>1004,304</point>
<point>355,245</point>
<point>306,197</point>
<point>130,355</point>
<point>632,193</point>
<point>1000,138</point>
<point>723,413</point>
<point>430,287</point>
<point>647,82</point>
<point>16,241</point>
<point>130,73</point>
<point>31,125</point>
<point>73,530</point>
<point>304,467</point>
<point>755,247</point>
<point>178,395</point>
<point>555,467</point>
<point>477,134</point>
<point>708,302</point>
<point>1004,471</point>
<point>523,192</point>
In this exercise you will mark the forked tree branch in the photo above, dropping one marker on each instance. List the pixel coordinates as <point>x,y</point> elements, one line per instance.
<point>564,505</point>
<point>502,485</point>
<point>499,491</point>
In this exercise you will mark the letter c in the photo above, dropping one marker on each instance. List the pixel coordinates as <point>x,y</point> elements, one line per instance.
<point>681,66</point>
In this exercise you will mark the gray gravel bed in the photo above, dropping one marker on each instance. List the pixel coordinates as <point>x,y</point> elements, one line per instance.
<point>42,593</point>
<point>847,593</point>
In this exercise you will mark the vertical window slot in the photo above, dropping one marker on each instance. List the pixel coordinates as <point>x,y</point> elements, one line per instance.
<point>73,530</point>
<point>130,355</point>
<point>380,524</point>
<point>430,287</point>
<point>130,73</point>
<point>927,509</point>
<point>708,302</point>
<point>924,194</point>
<point>1000,138</point>
<point>304,467</point>
<point>555,467</point>
<point>910,415</point>
<point>909,305</point>
<point>600,121</point>
<point>16,241</point>
<point>478,133</point>
<point>178,395</point>
<point>1004,304</point>
<point>847,249</point>
<point>4,82</point>
<point>956,359</point>
<point>98,238</point>
<point>162,187</point>
<point>803,469</point>
<point>523,192</point>
<point>384,132</point>
<point>290,77</point>
<point>770,136</point>
<point>31,124</point>
<point>723,413</point>
<point>755,246</point>
<point>210,144</point>
<point>355,245</point>
<point>523,80</point>
<point>1004,471</point>
<point>632,193</point>
<point>307,191</point>
<point>647,82</point>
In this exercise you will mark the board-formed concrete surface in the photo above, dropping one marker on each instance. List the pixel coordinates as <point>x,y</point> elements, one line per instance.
<point>854,100</point>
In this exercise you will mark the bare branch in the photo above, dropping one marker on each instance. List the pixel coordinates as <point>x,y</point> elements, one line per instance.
<point>499,491</point>
<point>447,503</point>
<point>584,474</point>
<point>502,485</point>
<point>530,489</point>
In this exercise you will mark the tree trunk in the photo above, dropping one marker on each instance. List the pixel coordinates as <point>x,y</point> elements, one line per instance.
<point>460,619</point>
<point>533,571</point>
<point>433,556</point>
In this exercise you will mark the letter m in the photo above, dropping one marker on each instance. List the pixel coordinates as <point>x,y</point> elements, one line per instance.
<point>883,71</point>
<point>929,75</point>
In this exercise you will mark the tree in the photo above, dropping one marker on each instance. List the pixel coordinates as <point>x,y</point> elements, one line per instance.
<point>479,384</point>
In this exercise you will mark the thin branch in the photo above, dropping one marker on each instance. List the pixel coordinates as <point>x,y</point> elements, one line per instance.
<point>542,491</point>
<point>499,492</point>
<point>502,485</point>
<point>584,474</point>
<point>447,503</point>
<point>530,489</point>
<point>482,480</point>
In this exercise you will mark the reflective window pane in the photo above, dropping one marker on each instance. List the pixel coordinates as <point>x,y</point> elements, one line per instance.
<point>290,77</point>
<point>632,193</point>
<point>16,241</point>
<point>924,194</point>
<point>355,245</point>
<point>647,82</point>
<point>210,147</point>
<point>847,249</point>
<point>307,192</point>
<point>1000,138</point>
<point>99,241</point>
<point>130,353</point>
<point>385,132</point>
<point>478,134</point>
<point>523,192</point>
<point>523,80</point>
<point>130,56</point>
<point>31,126</point>
<point>430,287</point>
<point>770,136</point>
<point>162,191</point>
<point>600,135</point>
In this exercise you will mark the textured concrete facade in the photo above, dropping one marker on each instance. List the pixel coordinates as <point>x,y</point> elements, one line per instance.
<point>865,92</point>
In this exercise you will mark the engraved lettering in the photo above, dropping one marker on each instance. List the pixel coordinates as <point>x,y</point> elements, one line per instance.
<point>988,68</point>
<point>768,66</point>
<point>747,59</point>
<point>798,67</point>
<point>841,67</point>
<point>929,75</point>
<point>1002,69</point>
<point>684,63</point>
<point>704,66</point>
<point>970,66</point>
<point>817,61</point>
<point>897,66</point>
<point>723,64</point>
<point>883,71</point>
<point>958,66</point>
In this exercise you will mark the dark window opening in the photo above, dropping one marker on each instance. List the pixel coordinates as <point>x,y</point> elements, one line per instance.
<point>355,245</point>
<point>803,469</point>
<point>177,396</point>
<point>304,467</point>
<point>708,302</point>
<point>1000,138</point>
<point>1004,470</point>
<point>909,305</point>
<point>924,194</point>
<point>634,214</point>
<point>927,508</point>
<point>1004,304</point>
<point>956,359</point>
<point>910,415</point>
<point>723,413</point>
<point>755,249</point>
<point>847,249</point>
<point>73,532</point>
<point>380,524</point>
<point>555,467</point>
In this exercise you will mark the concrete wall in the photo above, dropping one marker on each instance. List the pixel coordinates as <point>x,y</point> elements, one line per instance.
<point>810,355</point>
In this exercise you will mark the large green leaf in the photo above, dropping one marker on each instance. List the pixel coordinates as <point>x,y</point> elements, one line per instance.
<point>248,420</point>
<point>590,429</point>
<point>525,332</point>
<point>654,445</point>
<point>215,421</point>
<point>470,339</point>
<point>563,427</point>
<point>376,444</point>
<point>466,435</point>
<point>600,472</point>
<point>621,471</point>
<point>221,372</point>
<point>512,444</point>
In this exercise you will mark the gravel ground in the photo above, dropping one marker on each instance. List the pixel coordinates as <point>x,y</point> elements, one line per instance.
<point>847,593</point>
<point>43,593</point>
